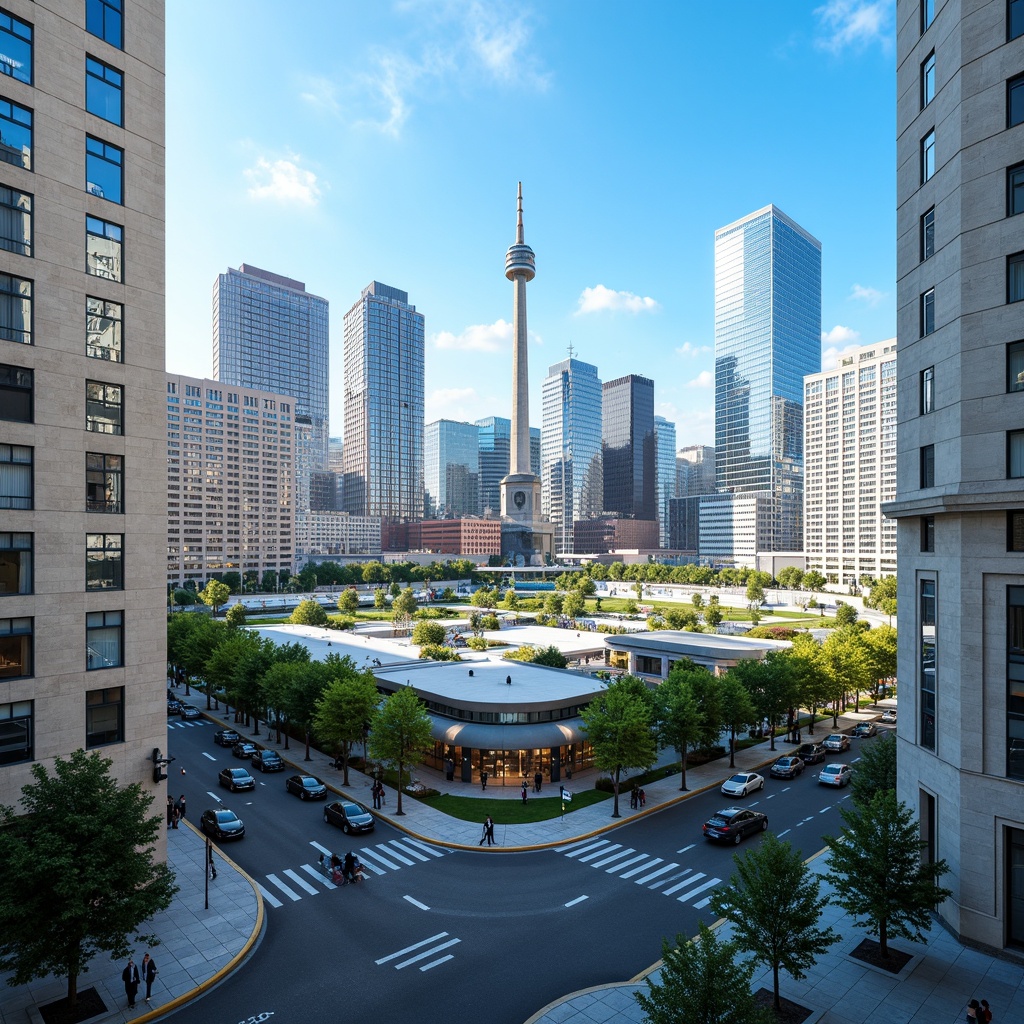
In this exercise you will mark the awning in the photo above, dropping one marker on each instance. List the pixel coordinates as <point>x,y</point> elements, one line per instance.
<point>485,736</point>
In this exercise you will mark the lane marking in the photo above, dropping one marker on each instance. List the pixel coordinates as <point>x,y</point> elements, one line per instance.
<point>429,952</point>
<point>301,882</point>
<point>654,874</point>
<point>409,949</point>
<point>412,853</point>
<point>683,884</point>
<point>209,756</point>
<point>434,963</point>
<point>319,876</point>
<point>372,854</point>
<point>592,846</point>
<point>700,888</point>
<point>272,900</point>
<point>685,849</point>
<point>416,903</point>
<point>214,796</point>
<point>290,893</point>
<point>754,803</point>
<point>626,863</point>
<point>614,856</point>
<point>389,848</point>
<point>579,899</point>
<point>772,797</point>
<point>572,845</point>
<point>824,809</point>
<point>781,834</point>
<point>643,867</point>
<point>599,853</point>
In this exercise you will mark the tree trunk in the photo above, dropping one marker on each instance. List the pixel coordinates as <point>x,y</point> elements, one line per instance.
<point>399,805</point>
<point>683,783</point>
<point>771,729</point>
<point>732,747</point>
<point>72,989</point>
<point>883,939</point>
<point>615,789</point>
<point>775,982</point>
<point>344,753</point>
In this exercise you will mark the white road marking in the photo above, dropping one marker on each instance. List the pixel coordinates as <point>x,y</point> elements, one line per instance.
<point>781,834</point>
<point>571,846</point>
<point>409,949</point>
<point>772,797</point>
<point>626,863</point>
<point>317,846</point>
<point>700,888</point>
<point>319,876</point>
<point>654,874</point>
<point>429,952</point>
<point>290,893</point>
<point>579,899</point>
<point>754,803</point>
<point>702,904</point>
<point>600,853</point>
<point>435,963</point>
<point>824,809</point>
<point>614,856</point>
<point>209,756</point>
<point>372,854</point>
<point>671,878</point>
<point>389,848</point>
<point>424,846</point>
<point>686,848</point>
<point>592,846</point>
<point>213,796</point>
<point>272,900</point>
<point>412,853</point>
<point>787,789</point>
<point>643,867</point>
<point>683,884</point>
<point>416,903</point>
<point>302,883</point>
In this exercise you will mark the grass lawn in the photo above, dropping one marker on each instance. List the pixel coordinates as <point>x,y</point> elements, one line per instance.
<point>617,606</point>
<point>514,811</point>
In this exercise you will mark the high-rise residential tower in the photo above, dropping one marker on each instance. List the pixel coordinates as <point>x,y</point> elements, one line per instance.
<point>665,473</point>
<point>83,473</point>
<point>630,451</point>
<point>572,481</point>
<point>383,408</point>
<point>451,453</point>
<point>767,339</point>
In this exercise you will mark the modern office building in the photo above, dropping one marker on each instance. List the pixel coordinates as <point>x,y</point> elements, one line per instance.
<point>603,534</point>
<point>230,481</point>
<point>496,458</point>
<point>732,529</point>
<point>695,470</point>
<point>572,480</point>
<point>665,474</point>
<point>629,448</point>
<point>82,427</point>
<point>767,339</point>
<point>383,408</point>
<point>959,496</point>
<point>270,334</point>
<point>451,477</point>
<point>850,466</point>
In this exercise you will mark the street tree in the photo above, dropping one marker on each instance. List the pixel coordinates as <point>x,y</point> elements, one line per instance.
<point>269,581</point>
<point>554,603</point>
<point>618,724</point>
<point>574,605</point>
<point>399,733</point>
<point>737,711</point>
<point>308,613</point>
<point>881,651</point>
<point>698,603</point>
<point>879,875</point>
<point>773,903</point>
<point>232,580</point>
<point>771,686</point>
<point>846,667</point>
<point>183,598</point>
<point>80,875</point>
<point>214,594</point>
<point>191,638</point>
<point>876,769</point>
<point>380,598</point>
<point>755,593</point>
<point>680,724</point>
<point>348,601</point>
<point>345,708</point>
<point>585,585</point>
<point>812,687</point>
<point>235,616</point>
<point>790,577</point>
<point>881,591</point>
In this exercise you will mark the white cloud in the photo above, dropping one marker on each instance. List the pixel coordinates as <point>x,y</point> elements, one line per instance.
<point>695,420</point>
<point>464,404</point>
<point>598,299</point>
<point>283,181</point>
<point>831,357</point>
<point>704,379</point>
<point>321,94</point>
<point>870,296</point>
<point>500,46</point>
<point>840,335</point>
<point>686,349</point>
<point>477,338</point>
<point>857,23</point>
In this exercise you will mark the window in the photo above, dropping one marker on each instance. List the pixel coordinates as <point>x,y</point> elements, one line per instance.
<point>103,482</point>
<point>1015,366</point>
<point>15,309</point>
<point>104,564</point>
<point>1015,682</point>
<point>104,716</point>
<point>104,94</point>
<point>1015,277</point>
<point>15,394</point>
<point>928,663</point>
<point>16,732</point>
<point>1014,19</point>
<point>15,221</point>
<point>15,563</point>
<point>927,533</point>
<point>15,476</point>
<point>104,170</point>
<point>928,312</point>
<point>927,390</point>
<point>927,80</point>
<point>103,18</point>
<point>928,156</point>
<point>1015,101</point>
<point>15,134</point>
<point>104,640</point>
<point>15,648</point>
<point>1015,188</point>
<point>1015,454</point>
<point>927,14</point>
<point>104,409</point>
<point>928,466</point>
<point>15,48</point>
<point>1015,531</point>
<point>103,329</point>
<point>928,234</point>
<point>103,248</point>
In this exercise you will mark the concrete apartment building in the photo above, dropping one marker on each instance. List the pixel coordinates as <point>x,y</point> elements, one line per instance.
<point>326,533</point>
<point>82,438</point>
<point>230,481</point>
<point>850,466</point>
<point>456,536</point>
<point>960,501</point>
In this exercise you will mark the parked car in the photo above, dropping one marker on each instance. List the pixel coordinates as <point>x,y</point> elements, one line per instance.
<point>835,775</point>
<point>243,748</point>
<point>236,779</point>
<point>811,753</point>
<point>742,784</point>
<point>788,767</point>
<point>226,737</point>
<point>733,823</point>
<point>267,761</point>
<point>306,787</point>
<point>173,707</point>
<point>865,729</point>
<point>189,711</point>
<point>349,817</point>
<point>837,741</point>
<point>889,716</point>
<point>220,823</point>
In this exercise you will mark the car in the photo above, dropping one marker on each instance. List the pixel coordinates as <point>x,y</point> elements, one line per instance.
<point>837,741</point>
<point>835,775</point>
<point>173,707</point>
<point>889,716</point>
<point>243,748</point>
<point>788,767</point>
<point>811,753</point>
<point>226,737</point>
<point>742,784</point>
<point>733,823</point>
<point>220,823</point>
<point>306,787</point>
<point>189,711</point>
<point>865,729</point>
<point>349,817</point>
<point>236,779</point>
<point>267,761</point>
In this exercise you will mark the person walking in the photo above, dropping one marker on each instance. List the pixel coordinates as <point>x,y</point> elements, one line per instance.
<point>175,816</point>
<point>524,792</point>
<point>170,810</point>
<point>483,780</point>
<point>149,973</point>
<point>181,806</point>
<point>375,793</point>
<point>973,1014</point>
<point>483,834</point>
<point>984,1013</point>
<point>642,797</point>
<point>489,829</point>
<point>538,781</point>
<point>131,979</point>
<point>633,797</point>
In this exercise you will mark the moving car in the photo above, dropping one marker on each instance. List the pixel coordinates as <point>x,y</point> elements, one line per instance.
<point>267,761</point>
<point>306,787</point>
<point>811,753</point>
<point>243,748</point>
<point>225,737</point>
<point>889,716</point>
<point>742,784</point>
<point>865,729</point>
<point>788,767</point>
<point>220,823</point>
<point>236,779</point>
<point>173,707</point>
<point>837,741</point>
<point>733,823</point>
<point>835,775</point>
<point>348,816</point>
<point>189,711</point>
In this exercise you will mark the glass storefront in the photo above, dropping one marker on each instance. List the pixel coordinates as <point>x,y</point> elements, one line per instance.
<point>511,767</point>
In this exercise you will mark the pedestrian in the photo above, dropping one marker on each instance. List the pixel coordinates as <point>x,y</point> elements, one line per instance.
<point>633,797</point>
<point>175,817</point>
<point>382,793</point>
<point>489,830</point>
<point>524,792</point>
<point>984,1013</point>
<point>538,781</point>
<point>210,865</point>
<point>449,769</point>
<point>483,834</point>
<point>181,806</point>
<point>375,793</point>
<point>568,771</point>
<point>170,810</point>
<point>642,797</point>
<point>131,979</point>
<point>483,780</point>
<point>149,973</point>
<point>973,1008</point>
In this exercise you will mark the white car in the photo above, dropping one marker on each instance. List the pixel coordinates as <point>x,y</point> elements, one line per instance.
<point>835,775</point>
<point>742,784</point>
<point>889,716</point>
<point>837,741</point>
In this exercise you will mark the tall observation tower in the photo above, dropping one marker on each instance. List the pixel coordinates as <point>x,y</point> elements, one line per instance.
<point>526,537</point>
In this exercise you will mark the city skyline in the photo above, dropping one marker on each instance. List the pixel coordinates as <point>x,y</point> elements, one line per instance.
<point>623,198</point>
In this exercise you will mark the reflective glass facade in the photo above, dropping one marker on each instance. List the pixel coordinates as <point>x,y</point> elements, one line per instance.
<point>630,448</point>
<point>495,439</point>
<point>450,470</point>
<point>665,433</point>
<point>767,339</point>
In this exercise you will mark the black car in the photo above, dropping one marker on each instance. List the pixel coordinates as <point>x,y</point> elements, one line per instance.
<point>243,748</point>
<point>348,816</point>
<point>812,753</point>
<point>173,707</point>
<point>788,767</point>
<point>267,761</point>
<point>306,787</point>
<point>189,711</point>
<point>732,824</point>
<point>226,737</point>
<point>236,779</point>
<point>220,823</point>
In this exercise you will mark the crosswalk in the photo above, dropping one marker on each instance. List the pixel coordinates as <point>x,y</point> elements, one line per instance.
<point>187,723</point>
<point>294,884</point>
<point>655,873</point>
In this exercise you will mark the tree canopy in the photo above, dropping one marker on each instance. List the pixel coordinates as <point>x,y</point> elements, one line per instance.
<point>308,613</point>
<point>399,731</point>
<point>876,769</point>
<point>348,601</point>
<point>344,709</point>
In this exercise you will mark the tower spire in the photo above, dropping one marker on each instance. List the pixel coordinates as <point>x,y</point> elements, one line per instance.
<point>519,217</point>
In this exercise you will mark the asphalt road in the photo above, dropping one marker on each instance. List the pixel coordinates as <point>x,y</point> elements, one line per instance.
<point>438,935</point>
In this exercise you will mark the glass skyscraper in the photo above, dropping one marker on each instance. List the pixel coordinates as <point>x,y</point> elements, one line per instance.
<point>451,470</point>
<point>665,433</point>
<point>496,458</point>
<point>629,448</point>
<point>767,339</point>
<point>383,406</point>
<point>572,484</point>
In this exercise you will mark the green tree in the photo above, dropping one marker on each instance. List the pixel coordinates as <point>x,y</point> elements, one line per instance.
<point>235,616</point>
<point>214,594</point>
<point>268,582</point>
<point>755,593</point>
<point>698,603</point>
<point>702,981</point>
<point>681,618</point>
<point>380,598</point>
<point>791,578</point>
<point>373,572</point>
<point>771,685</point>
<point>395,589</point>
<point>399,732</point>
<point>404,606</point>
<point>550,656</point>
<point>232,580</point>
<point>773,903</point>
<point>737,711</point>
<point>573,605</point>
<point>183,598</point>
<point>307,577</point>
<point>348,601</point>
<point>713,615</point>
<point>554,603</point>
<point>585,586</point>
<point>882,591</point>
<point>79,873</point>
<point>439,652</point>
<point>846,614</point>
<point>618,724</point>
<point>812,687</point>
<point>429,632</point>
<point>876,868</point>
<point>846,666</point>
<point>881,651</point>
<point>484,598</point>
<point>813,581</point>
<point>345,708</point>
<point>680,724</point>
<point>190,641</point>
<point>511,600</point>
<point>876,769</point>
<point>308,613</point>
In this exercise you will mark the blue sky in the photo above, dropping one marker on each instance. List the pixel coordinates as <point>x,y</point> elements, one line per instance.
<point>344,141</point>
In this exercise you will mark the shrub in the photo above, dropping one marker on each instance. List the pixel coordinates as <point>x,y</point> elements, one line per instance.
<point>339,622</point>
<point>604,784</point>
<point>489,622</point>
<point>478,643</point>
<point>771,633</point>
<point>438,652</point>
<point>429,634</point>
